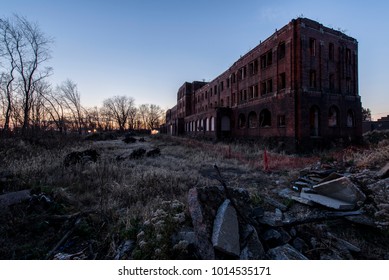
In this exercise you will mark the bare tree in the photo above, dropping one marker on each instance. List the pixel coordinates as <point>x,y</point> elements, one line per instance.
<point>26,49</point>
<point>150,115</point>
<point>72,102</point>
<point>121,108</point>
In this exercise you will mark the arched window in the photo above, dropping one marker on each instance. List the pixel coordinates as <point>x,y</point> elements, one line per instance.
<point>350,118</point>
<point>314,120</point>
<point>242,121</point>
<point>333,116</point>
<point>253,120</point>
<point>265,118</point>
<point>212,123</point>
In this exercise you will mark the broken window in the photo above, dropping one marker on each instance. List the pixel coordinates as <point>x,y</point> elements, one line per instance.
<point>312,46</point>
<point>331,51</point>
<point>312,79</point>
<point>282,81</point>
<point>281,120</point>
<point>350,118</point>
<point>253,120</point>
<point>265,118</point>
<point>266,59</point>
<point>241,121</point>
<point>314,120</point>
<point>333,116</point>
<point>281,50</point>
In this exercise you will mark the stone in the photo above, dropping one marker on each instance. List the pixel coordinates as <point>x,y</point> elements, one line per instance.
<point>285,252</point>
<point>225,236</point>
<point>383,172</point>
<point>12,198</point>
<point>341,189</point>
<point>289,194</point>
<point>272,219</point>
<point>272,237</point>
<point>203,245</point>
<point>253,249</point>
<point>327,201</point>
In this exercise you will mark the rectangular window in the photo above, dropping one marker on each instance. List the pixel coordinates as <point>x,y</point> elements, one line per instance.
<point>348,85</point>
<point>266,59</point>
<point>228,82</point>
<point>263,61</point>
<point>255,91</point>
<point>332,82</point>
<point>251,93</point>
<point>269,58</point>
<point>282,81</point>
<point>331,51</point>
<point>233,78</point>
<point>281,120</point>
<point>348,56</point>
<point>221,86</point>
<point>253,67</point>
<point>269,86</point>
<point>281,50</point>
<point>312,79</point>
<point>263,88</point>
<point>228,101</point>
<point>312,46</point>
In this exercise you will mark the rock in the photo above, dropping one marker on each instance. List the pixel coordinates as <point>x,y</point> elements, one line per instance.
<point>383,172</point>
<point>12,198</point>
<point>289,194</point>
<point>187,235</point>
<point>82,157</point>
<point>300,245</point>
<point>341,189</point>
<point>203,245</point>
<point>125,250</point>
<point>258,212</point>
<point>272,219</point>
<point>327,201</point>
<point>275,203</point>
<point>272,237</point>
<point>253,249</point>
<point>285,252</point>
<point>225,236</point>
<point>153,153</point>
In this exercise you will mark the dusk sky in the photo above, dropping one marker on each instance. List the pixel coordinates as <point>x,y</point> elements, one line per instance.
<point>148,49</point>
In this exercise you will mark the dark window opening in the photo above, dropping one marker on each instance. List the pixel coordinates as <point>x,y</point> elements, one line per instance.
<point>332,82</point>
<point>282,81</point>
<point>350,118</point>
<point>333,117</point>
<point>241,121</point>
<point>312,47</point>
<point>331,51</point>
<point>269,86</point>
<point>253,120</point>
<point>348,56</point>
<point>253,67</point>
<point>228,82</point>
<point>348,85</point>
<point>265,118</point>
<point>281,50</point>
<point>314,121</point>
<point>281,121</point>
<point>312,79</point>
<point>266,59</point>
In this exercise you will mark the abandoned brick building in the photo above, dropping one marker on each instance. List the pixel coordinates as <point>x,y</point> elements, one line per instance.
<point>298,87</point>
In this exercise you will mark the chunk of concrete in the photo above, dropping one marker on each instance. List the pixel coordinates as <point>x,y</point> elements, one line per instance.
<point>340,189</point>
<point>225,236</point>
<point>285,252</point>
<point>383,172</point>
<point>12,198</point>
<point>253,250</point>
<point>203,244</point>
<point>327,201</point>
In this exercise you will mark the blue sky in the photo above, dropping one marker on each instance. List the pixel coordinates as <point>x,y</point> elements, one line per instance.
<point>148,49</point>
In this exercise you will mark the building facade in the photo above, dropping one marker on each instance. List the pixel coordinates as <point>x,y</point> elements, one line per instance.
<point>298,87</point>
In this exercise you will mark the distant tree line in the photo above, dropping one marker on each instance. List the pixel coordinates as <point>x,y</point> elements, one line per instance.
<point>29,102</point>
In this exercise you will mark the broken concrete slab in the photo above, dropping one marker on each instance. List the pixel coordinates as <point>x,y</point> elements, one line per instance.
<point>341,189</point>
<point>225,236</point>
<point>327,201</point>
<point>253,249</point>
<point>289,194</point>
<point>285,252</point>
<point>205,248</point>
<point>383,172</point>
<point>273,219</point>
<point>12,198</point>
